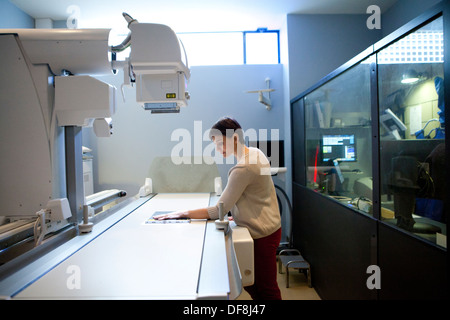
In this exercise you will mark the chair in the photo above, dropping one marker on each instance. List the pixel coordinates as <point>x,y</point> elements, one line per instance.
<point>294,261</point>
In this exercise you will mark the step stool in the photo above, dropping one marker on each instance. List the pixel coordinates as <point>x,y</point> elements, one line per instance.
<point>295,261</point>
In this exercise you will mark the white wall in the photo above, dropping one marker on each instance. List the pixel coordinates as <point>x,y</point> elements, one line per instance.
<point>123,160</point>
<point>13,17</point>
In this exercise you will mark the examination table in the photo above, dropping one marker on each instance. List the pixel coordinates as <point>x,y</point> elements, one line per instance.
<point>127,257</point>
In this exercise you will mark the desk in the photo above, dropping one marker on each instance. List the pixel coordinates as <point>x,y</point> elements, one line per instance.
<point>134,260</point>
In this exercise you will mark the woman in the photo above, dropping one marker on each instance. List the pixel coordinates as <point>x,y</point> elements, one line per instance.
<point>251,198</point>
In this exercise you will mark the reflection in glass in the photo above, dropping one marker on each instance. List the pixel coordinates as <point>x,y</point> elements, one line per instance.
<point>412,135</point>
<point>338,138</point>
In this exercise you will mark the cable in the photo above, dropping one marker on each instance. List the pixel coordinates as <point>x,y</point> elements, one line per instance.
<point>425,181</point>
<point>127,41</point>
<point>290,212</point>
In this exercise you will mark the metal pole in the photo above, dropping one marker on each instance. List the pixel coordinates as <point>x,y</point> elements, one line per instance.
<point>74,172</point>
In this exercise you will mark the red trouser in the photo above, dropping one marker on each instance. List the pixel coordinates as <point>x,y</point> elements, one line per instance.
<point>265,286</point>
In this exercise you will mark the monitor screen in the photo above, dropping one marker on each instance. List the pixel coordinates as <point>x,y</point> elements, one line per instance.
<point>338,147</point>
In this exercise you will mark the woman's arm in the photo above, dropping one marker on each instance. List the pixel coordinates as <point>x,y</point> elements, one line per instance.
<point>192,214</point>
<point>238,180</point>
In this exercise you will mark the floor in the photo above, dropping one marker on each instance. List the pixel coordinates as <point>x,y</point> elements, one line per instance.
<point>298,288</point>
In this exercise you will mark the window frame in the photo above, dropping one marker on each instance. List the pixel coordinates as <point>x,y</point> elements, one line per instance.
<point>261,30</point>
<point>244,39</point>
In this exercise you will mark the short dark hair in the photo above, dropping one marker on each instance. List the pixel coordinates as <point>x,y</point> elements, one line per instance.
<point>227,127</point>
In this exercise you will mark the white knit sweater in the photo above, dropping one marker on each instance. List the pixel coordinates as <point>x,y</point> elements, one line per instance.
<point>250,196</point>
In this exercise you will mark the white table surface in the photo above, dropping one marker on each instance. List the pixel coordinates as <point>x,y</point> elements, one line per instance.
<point>133,260</point>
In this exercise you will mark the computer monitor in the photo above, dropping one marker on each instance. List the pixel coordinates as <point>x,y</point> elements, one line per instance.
<point>339,147</point>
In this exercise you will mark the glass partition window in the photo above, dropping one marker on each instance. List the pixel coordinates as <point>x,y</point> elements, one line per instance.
<point>338,138</point>
<point>412,136</point>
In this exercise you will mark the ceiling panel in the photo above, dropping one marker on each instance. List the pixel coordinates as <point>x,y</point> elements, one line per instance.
<point>193,15</point>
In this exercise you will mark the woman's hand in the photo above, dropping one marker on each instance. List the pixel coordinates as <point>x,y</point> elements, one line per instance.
<point>172,215</point>
<point>183,214</point>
